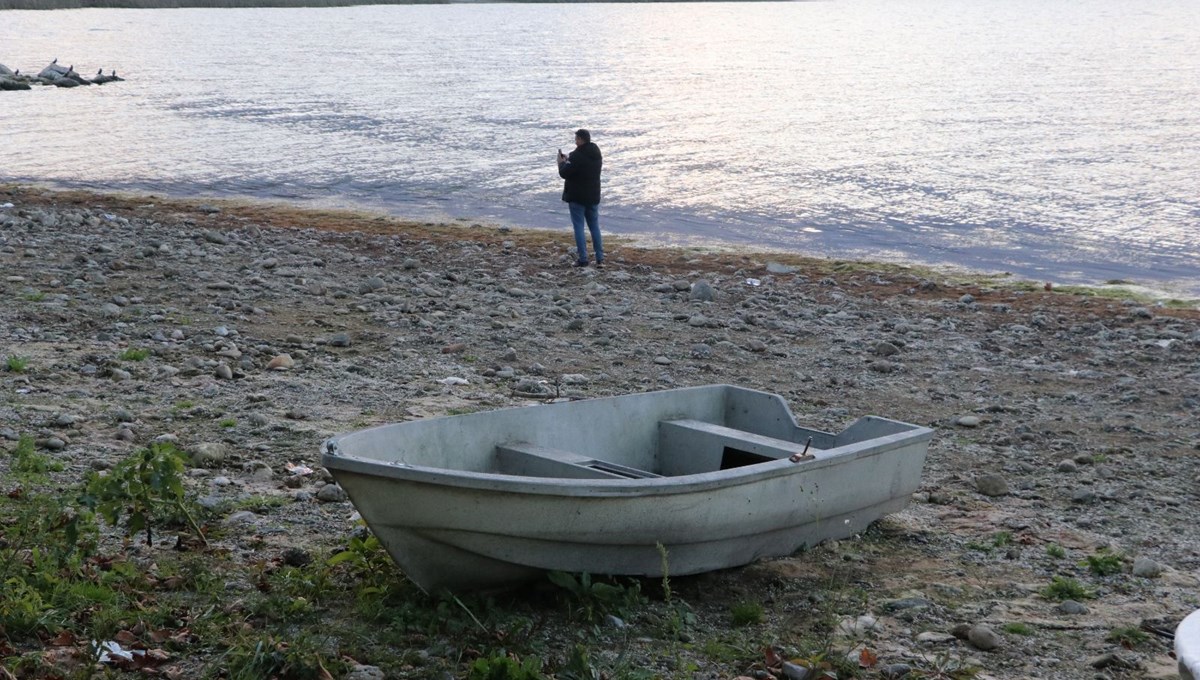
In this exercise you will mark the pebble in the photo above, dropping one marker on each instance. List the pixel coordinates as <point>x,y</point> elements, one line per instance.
<point>663,361</point>
<point>794,671</point>
<point>1071,607</point>
<point>968,421</point>
<point>52,443</point>
<point>885,349</point>
<point>208,454</point>
<point>1146,568</point>
<point>1068,466</point>
<point>983,637</point>
<point>1083,496</point>
<point>702,290</point>
<point>340,340</point>
<point>280,362</point>
<point>933,637</point>
<point>857,627</point>
<point>240,517</point>
<point>224,372</point>
<point>991,485</point>
<point>331,493</point>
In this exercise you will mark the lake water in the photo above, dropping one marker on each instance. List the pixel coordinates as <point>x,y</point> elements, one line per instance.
<point>1055,139</point>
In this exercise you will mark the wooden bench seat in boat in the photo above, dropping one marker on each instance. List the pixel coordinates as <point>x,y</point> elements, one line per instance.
<point>529,460</point>
<point>688,447</point>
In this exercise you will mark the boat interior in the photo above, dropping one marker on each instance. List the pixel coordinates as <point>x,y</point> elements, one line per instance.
<point>685,447</point>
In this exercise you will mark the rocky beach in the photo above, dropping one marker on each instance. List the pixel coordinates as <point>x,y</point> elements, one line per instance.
<point>1067,450</point>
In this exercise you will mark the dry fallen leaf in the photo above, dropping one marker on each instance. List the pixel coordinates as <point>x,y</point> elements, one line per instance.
<point>64,639</point>
<point>867,658</point>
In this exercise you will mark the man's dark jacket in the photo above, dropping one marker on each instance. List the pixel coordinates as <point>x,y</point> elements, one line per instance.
<point>582,172</point>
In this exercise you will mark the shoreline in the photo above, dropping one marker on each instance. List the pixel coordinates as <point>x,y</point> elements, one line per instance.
<point>1052,526</point>
<point>345,216</point>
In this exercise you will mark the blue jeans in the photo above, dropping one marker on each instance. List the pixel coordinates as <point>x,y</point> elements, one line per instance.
<point>591,214</point>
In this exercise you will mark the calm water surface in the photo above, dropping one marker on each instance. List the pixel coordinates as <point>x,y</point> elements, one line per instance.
<point>1055,139</point>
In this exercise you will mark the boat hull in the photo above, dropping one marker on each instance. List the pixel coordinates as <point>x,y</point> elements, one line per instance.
<point>472,529</point>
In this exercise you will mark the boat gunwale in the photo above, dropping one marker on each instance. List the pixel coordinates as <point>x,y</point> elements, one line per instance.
<point>564,486</point>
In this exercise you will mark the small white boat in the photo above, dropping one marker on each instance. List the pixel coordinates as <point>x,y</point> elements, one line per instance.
<point>718,476</point>
<point>1187,646</point>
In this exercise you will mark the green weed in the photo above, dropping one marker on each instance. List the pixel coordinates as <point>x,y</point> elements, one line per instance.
<point>265,656</point>
<point>31,464</point>
<point>596,598</point>
<point>16,364</point>
<point>228,422</point>
<point>1056,551</point>
<point>34,296</point>
<point>141,488</point>
<point>1064,588</point>
<point>501,665</point>
<point>1018,628</point>
<point>746,613</point>
<point>1128,636</point>
<point>134,354</point>
<point>1104,563</point>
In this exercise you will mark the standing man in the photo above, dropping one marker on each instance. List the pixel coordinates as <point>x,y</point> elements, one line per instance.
<point>581,191</point>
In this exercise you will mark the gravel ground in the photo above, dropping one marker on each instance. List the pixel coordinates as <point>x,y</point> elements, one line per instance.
<point>1062,420</point>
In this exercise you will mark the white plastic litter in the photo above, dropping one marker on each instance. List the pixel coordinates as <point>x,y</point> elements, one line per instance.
<point>297,469</point>
<point>454,380</point>
<point>7,205</point>
<point>110,652</point>
<point>753,282</point>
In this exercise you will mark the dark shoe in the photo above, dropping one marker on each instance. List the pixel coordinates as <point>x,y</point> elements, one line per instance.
<point>580,263</point>
<point>599,264</point>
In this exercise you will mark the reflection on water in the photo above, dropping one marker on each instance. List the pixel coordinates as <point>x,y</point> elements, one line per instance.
<point>1053,139</point>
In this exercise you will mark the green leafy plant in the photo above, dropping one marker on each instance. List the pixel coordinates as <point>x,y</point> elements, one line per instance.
<point>581,666</point>
<point>1018,628</point>
<point>135,354</point>
<point>1002,539</point>
<point>595,598</point>
<point>268,657</point>
<point>503,666</point>
<point>746,613</point>
<point>1104,563</point>
<point>1065,588</point>
<point>1056,551</point>
<point>28,462</point>
<point>140,487</point>
<point>228,422</point>
<point>1128,636</point>
<point>34,296</point>
<point>16,364</point>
